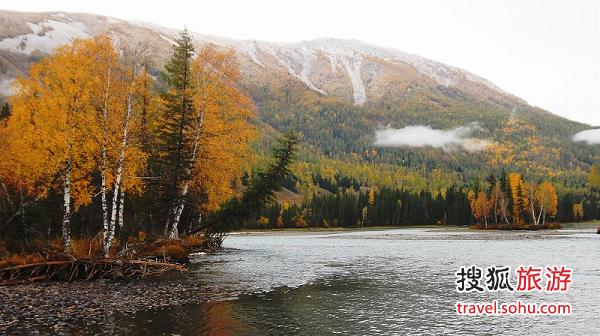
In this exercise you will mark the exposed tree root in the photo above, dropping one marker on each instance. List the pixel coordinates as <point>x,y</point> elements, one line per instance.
<point>134,260</point>
<point>85,269</point>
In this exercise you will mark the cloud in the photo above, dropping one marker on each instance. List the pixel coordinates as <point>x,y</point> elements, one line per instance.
<point>426,136</point>
<point>591,136</point>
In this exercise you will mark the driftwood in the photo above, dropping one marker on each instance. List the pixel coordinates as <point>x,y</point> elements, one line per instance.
<point>85,269</point>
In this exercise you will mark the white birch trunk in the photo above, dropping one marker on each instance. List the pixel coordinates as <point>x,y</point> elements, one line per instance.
<point>121,209</point>
<point>503,205</point>
<point>544,217</point>
<point>532,203</point>
<point>103,193</point>
<point>533,217</point>
<point>538,220</point>
<point>177,211</point>
<point>118,177</point>
<point>180,204</point>
<point>104,166</point>
<point>66,223</point>
<point>104,198</point>
<point>542,210</point>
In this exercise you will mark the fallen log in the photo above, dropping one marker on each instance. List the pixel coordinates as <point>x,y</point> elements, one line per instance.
<point>85,269</point>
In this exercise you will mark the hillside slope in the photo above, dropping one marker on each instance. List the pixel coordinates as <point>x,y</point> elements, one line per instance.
<point>338,93</point>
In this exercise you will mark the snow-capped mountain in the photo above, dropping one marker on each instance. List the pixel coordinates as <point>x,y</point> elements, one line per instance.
<point>335,93</point>
<point>330,67</point>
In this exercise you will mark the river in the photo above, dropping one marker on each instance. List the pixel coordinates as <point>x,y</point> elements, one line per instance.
<point>380,282</point>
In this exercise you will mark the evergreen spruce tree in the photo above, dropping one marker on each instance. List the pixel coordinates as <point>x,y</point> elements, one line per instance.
<point>4,111</point>
<point>259,193</point>
<point>176,132</point>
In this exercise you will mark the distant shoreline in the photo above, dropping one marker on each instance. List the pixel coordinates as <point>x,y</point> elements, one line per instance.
<point>435,227</point>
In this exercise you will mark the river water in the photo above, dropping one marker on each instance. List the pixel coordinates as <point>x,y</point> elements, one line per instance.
<point>391,282</point>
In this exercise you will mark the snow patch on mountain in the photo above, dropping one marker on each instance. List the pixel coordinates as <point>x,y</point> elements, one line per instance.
<point>348,55</point>
<point>477,79</point>
<point>112,20</point>
<point>352,66</point>
<point>298,59</point>
<point>171,42</point>
<point>6,86</point>
<point>334,63</point>
<point>354,51</point>
<point>250,50</point>
<point>45,36</point>
<point>350,58</point>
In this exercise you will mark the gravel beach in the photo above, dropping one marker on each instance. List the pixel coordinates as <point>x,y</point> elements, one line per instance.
<point>90,307</point>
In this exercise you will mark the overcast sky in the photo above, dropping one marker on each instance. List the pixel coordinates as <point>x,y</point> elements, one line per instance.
<point>545,51</point>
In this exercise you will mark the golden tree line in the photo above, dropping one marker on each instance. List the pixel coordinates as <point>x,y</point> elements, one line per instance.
<point>87,123</point>
<point>515,202</point>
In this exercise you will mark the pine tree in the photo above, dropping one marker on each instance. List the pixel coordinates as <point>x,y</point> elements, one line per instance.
<point>177,132</point>
<point>259,193</point>
<point>4,111</point>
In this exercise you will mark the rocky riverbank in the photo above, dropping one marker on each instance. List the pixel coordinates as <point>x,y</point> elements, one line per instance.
<point>90,307</point>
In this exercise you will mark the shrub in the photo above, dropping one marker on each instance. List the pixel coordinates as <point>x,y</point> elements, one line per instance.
<point>85,247</point>
<point>20,259</point>
<point>171,249</point>
<point>194,241</point>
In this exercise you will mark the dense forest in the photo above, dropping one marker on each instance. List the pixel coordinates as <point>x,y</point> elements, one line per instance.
<point>504,201</point>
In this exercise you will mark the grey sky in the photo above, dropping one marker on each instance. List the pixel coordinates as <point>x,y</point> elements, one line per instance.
<point>545,51</point>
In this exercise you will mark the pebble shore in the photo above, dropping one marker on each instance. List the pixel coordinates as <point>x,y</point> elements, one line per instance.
<point>56,308</point>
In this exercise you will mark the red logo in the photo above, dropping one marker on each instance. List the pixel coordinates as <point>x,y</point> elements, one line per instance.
<point>558,278</point>
<point>529,278</point>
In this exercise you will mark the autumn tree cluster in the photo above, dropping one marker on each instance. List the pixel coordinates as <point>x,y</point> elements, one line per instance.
<point>375,207</point>
<point>500,201</point>
<point>97,142</point>
<point>513,202</point>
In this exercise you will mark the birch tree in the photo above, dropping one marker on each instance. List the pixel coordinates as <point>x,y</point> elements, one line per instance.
<point>548,200</point>
<point>225,114</point>
<point>529,200</point>
<point>107,90</point>
<point>130,158</point>
<point>50,125</point>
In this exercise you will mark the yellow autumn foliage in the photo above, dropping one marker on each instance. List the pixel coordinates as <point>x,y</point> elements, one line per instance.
<point>51,122</point>
<point>224,147</point>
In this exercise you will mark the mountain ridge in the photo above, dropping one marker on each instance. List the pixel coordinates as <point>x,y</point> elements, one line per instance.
<point>298,58</point>
<point>338,93</point>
